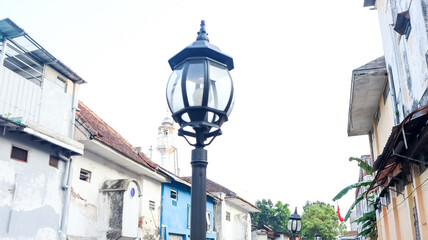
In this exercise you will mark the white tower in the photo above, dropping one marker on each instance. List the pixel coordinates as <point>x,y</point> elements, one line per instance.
<point>166,145</point>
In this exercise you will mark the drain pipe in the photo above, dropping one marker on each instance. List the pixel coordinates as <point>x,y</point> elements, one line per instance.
<point>73,111</point>
<point>66,186</point>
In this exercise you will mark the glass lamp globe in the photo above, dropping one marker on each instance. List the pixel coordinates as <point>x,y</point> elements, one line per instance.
<point>200,90</point>
<point>294,222</point>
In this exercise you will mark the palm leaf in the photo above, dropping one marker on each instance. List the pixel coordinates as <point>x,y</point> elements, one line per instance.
<point>366,167</point>
<point>368,216</point>
<point>355,185</point>
<point>352,207</point>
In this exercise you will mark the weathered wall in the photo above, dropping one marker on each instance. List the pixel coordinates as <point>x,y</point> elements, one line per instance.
<point>90,210</point>
<point>383,129</point>
<point>408,74</point>
<point>31,197</point>
<point>239,226</point>
<point>406,57</point>
<point>150,220</point>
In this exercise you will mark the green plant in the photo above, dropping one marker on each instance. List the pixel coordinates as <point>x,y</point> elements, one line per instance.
<point>368,219</point>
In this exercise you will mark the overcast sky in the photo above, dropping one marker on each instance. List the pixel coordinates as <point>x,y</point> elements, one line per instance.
<point>286,138</point>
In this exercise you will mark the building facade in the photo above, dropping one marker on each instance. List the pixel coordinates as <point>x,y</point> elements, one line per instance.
<point>38,100</point>
<point>116,191</point>
<point>389,103</point>
<point>176,208</point>
<point>232,218</point>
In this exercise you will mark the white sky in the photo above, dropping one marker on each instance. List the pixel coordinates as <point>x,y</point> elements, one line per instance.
<point>286,138</point>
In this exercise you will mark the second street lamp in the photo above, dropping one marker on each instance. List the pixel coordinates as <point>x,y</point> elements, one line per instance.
<point>317,236</point>
<point>200,96</point>
<point>294,223</point>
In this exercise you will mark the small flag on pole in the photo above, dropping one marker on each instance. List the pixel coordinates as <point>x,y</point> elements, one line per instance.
<point>338,214</point>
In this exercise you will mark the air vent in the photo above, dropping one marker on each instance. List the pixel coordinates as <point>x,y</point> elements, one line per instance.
<point>85,175</point>
<point>19,154</point>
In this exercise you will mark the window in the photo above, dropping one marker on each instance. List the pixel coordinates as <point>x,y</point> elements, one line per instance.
<point>227,216</point>
<point>189,210</point>
<point>152,205</point>
<point>61,84</point>
<point>53,161</point>
<point>402,24</point>
<point>208,218</point>
<point>19,154</point>
<point>385,92</point>
<point>387,198</point>
<point>174,195</point>
<point>377,116</point>
<point>85,175</point>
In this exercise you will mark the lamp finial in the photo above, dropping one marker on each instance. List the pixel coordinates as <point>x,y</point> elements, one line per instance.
<point>202,34</point>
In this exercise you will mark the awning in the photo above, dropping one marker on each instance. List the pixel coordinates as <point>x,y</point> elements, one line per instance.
<point>12,32</point>
<point>407,142</point>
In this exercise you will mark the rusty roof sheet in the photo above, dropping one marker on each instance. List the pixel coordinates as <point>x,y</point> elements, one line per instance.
<point>414,128</point>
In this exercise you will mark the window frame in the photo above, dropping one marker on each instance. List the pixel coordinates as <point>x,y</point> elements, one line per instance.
<point>227,216</point>
<point>152,205</point>
<point>54,163</point>
<point>176,195</point>
<point>17,159</point>
<point>61,88</point>
<point>88,177</point>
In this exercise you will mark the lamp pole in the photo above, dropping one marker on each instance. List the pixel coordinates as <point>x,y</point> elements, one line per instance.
<point>200,96</point>
<point>294,223</point>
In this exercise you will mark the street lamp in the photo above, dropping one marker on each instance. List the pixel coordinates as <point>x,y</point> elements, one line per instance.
<point>200,96</point>
<point>317,236</point>
<point>294,223</point>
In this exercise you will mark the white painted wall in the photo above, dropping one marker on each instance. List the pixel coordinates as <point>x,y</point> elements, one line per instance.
<point>239,226</point>
<point>151,191</point>
<point>31,198</point>
<point>90,209</point>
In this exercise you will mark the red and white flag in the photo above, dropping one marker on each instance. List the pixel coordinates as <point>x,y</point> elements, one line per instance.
<point>338,214</point>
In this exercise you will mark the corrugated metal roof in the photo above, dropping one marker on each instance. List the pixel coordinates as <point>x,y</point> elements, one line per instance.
<point>413,127</point>
<point>9,30</point>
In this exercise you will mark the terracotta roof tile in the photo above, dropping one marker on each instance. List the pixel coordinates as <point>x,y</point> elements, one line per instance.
<point>107,135</point>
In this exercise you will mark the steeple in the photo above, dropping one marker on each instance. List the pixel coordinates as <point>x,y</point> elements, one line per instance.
<point>165,145</point>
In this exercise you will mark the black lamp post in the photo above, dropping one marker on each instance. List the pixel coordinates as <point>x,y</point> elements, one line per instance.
<point>294,223</point>
<point>200,96</point>
<point>317,236</point>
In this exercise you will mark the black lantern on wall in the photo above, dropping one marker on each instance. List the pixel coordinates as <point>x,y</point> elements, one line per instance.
<point>200,96</point>
<point>294,223</point>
